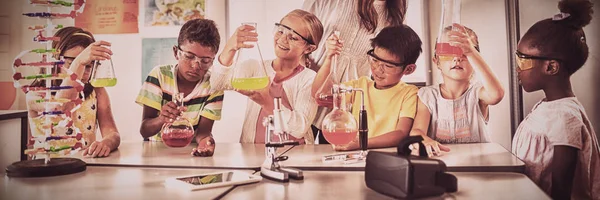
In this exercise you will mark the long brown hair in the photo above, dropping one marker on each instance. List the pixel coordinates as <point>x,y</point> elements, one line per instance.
<point>70,37</point>
<point>395,13</point>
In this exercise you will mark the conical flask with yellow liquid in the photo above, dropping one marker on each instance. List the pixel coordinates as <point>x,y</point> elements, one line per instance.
<point>249,72</point>
<point>103,74</point>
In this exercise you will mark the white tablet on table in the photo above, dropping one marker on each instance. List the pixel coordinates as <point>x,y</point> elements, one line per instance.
<point>212,180</point>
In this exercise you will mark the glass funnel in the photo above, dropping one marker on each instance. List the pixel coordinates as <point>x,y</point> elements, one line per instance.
<point>249,72</point>
<point>450,15</point>
<point>103,74</point>
<point>180,132</point>
<point>339,126</point>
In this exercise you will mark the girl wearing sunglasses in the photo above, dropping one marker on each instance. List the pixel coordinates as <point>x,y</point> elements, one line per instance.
<point>556,140</point>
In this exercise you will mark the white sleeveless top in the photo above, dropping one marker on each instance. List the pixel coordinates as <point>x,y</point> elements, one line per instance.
<point>455,120</point>
<point>561,122</point>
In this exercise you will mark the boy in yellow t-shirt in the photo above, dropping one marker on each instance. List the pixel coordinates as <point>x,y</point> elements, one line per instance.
<point>390,103</point>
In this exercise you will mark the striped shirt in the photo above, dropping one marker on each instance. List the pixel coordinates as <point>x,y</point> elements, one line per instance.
<point>161,84</point>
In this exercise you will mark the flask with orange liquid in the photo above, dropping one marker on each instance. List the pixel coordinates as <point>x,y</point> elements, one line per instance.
<point>339,126</point>
<point>450,15</point>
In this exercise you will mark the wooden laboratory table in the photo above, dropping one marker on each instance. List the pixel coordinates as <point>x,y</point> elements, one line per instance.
<point>156,154</point>
<point>105,183</point>
<point>476,157</point>
<point>351,185</point>
<point>480,157</point>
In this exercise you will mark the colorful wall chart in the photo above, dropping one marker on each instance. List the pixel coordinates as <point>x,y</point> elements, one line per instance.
<point>173,12</point>
<point>109,16</point>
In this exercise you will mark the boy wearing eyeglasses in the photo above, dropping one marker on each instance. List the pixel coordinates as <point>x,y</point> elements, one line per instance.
<point>390,103</point>
<point>197,45</point>
<point>456,111</point>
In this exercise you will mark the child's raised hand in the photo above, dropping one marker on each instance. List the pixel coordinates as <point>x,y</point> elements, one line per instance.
<point>96,51</point>
<point>244,33</point>
<point>460,37</point>
<point>333,45</point>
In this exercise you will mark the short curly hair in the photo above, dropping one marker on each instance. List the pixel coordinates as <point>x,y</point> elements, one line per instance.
<point>201,31</point>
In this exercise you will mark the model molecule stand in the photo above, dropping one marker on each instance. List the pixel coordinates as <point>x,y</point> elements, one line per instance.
<point>53,134</point>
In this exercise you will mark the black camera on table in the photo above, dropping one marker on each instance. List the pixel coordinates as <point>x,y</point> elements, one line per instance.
<point>402,175</point>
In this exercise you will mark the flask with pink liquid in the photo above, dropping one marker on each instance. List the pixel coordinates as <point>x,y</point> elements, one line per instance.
<point>450,15</point>
<point>339,126</point>
<point>180,132</point>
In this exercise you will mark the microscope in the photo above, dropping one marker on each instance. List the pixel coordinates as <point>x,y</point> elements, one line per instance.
<point>276,127</point>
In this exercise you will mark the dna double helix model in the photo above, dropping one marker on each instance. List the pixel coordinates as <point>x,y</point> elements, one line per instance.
<point>36,73</point>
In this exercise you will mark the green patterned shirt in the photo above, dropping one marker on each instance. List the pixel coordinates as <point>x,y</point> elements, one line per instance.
<point>160,85</point>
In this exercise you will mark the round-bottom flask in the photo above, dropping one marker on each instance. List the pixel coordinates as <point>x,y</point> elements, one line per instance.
<point>180,132</point>
<point>339,126</point>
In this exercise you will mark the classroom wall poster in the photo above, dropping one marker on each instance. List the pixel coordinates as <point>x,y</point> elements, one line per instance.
<point>109,16</point>
<point>155,52</point>
<point>172,12</point>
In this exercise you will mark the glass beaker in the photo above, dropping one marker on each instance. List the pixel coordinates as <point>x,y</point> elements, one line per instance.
<point>180,132</point>
<point>103,74</point>
<point>249,72</point>
<point>450,15</point>
<point>339,126</point>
